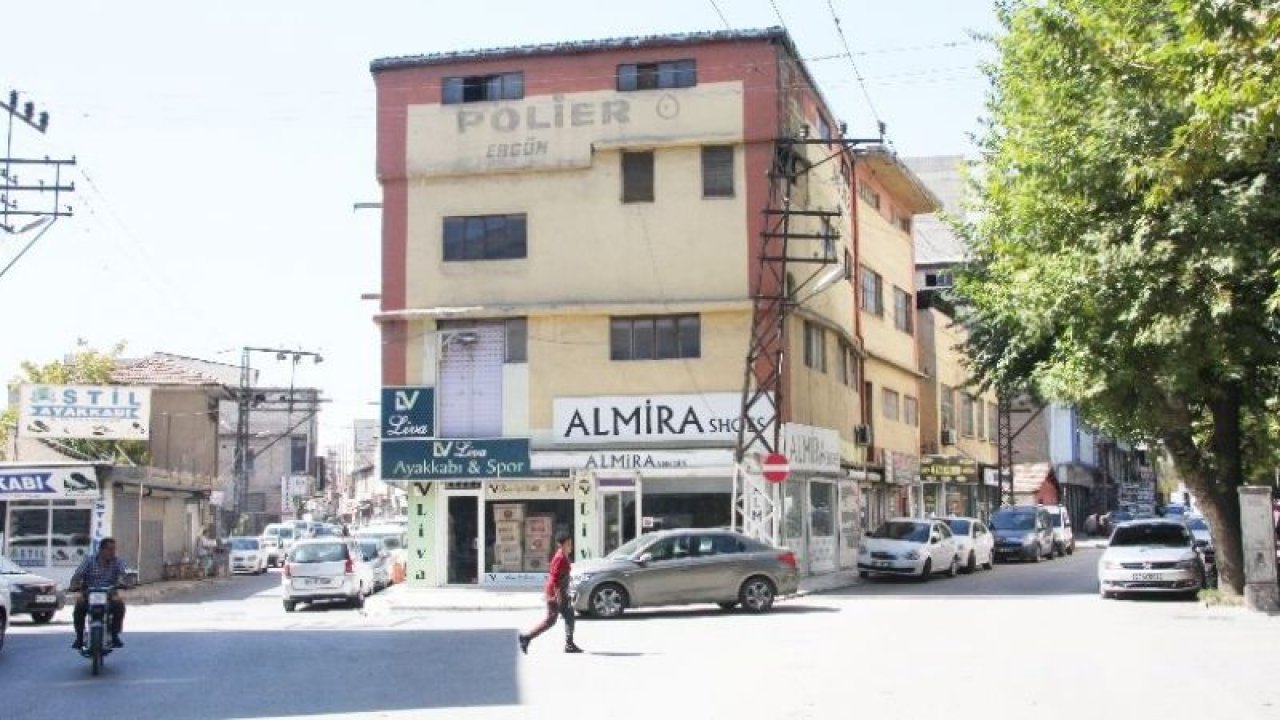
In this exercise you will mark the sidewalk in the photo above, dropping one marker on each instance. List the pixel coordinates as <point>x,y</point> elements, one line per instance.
<point>403,598</point>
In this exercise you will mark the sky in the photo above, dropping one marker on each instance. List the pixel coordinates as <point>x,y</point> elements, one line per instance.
<point>221,146</point>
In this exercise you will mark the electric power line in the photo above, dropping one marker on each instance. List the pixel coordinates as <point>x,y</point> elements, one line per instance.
<point>853,64</point>
<point>719,12</point>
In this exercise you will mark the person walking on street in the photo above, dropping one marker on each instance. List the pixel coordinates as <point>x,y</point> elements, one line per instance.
<point>557,597</point>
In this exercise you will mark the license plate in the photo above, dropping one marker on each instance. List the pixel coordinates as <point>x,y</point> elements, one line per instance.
<point>97,598</point>
<point>1147,576</point>
<point>47,599</point>
<point>882,563</point>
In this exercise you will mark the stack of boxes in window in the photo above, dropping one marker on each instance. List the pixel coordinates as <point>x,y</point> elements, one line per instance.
<point>508,547</point>
<point>537,542</point>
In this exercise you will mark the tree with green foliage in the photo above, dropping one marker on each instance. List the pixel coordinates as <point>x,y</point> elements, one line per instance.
<point>1125,234</point>
<point>85,366</point>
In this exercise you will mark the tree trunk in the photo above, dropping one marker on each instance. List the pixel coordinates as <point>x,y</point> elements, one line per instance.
<point>1223,507</point>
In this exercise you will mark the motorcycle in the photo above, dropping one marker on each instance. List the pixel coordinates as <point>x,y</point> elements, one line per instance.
<point>98,617</point>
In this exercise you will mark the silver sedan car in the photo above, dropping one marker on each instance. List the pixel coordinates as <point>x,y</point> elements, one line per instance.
<point>680,567</point>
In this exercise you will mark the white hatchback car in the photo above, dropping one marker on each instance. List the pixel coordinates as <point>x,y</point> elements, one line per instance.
<point>909,546</point>
<point>975,545</point>
<point>1157,556</point>
<point>326,570</point>
<point>247,555</point>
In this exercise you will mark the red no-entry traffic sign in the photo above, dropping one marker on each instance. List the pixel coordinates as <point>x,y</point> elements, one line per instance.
<point>775,467</point>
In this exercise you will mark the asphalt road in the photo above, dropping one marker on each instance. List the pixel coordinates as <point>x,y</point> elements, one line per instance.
<point>1022,641</point>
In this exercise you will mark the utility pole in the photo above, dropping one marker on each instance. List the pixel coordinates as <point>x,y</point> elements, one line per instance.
<point>244,403</point>
<point>43,180</point>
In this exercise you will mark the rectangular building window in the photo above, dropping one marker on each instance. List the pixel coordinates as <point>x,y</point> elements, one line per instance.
<point>658,75</point>
<point>662,337</point>
<point>637,177</point>
<point>824,128</point>
<point>993,427</point>
<point>966,415</point>
<point>903,222</point>
<point>517,337</point>
<point>947,402</point>
<point>298,454</point>
<point>889,399</point>
<point>904,311</point>
<point>815,347</point>
<point>872,287</point>
<point>910,411</point>
<point>869,195</point>
<point>481,88</point>
<point>717,171</point>
<point>485,237</point>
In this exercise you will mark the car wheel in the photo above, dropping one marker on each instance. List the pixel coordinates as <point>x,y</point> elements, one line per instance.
<point>990,564</point>
<point>756,594</point>
<point>1037,555</point>
<point>290,606</point>
<point>1056,551</point>
<point>1071,549</point>
<point>954,569</point>
<point>4,627</point>
<point>608,601</point>
<point>357,602</point>
<point>972,565</point>
<point>42,618</point>
<point>926,571</point>
<point>728,605</point>
<point>864,574</point>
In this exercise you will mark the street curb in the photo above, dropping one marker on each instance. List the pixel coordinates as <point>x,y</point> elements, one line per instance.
<point>155,592</point>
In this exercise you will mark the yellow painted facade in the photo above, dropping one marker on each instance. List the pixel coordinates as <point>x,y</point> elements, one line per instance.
<point>949,372</point>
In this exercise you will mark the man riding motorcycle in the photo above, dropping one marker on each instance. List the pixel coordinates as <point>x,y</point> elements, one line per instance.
<point>102,569</point>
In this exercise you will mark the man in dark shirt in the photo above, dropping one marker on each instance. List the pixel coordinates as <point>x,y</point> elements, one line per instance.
<point>100,570</point>
<point>556,595</point>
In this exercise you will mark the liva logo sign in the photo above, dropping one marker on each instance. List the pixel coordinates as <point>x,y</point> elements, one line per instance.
<point>408,413</point>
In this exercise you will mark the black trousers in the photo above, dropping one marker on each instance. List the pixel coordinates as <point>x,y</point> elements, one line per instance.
<point>82,610</point>
<point>560,607</point>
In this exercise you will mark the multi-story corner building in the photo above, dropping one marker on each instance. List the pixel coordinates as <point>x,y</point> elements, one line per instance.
<point>572,238</point>
<point>889,197</point>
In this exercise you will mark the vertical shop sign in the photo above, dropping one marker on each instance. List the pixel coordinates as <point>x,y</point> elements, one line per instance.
<point>422,532</point>
<point>585,516</point>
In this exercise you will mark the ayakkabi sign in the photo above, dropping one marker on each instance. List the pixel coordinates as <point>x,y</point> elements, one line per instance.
<point>48,482</point>
<point>94,412</point>
<point>811,449</point>
<point>441,459</point>
<point>638,419</point>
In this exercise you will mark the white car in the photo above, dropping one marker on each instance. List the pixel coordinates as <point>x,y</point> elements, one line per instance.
<point>326,570</point>
<point>284,535</point>
<point>1064,537</point>
<point>4,617</point>
<point>1156,556</point>
<point>247,555</point>
<point>909,546</point>
<point>975,545</point>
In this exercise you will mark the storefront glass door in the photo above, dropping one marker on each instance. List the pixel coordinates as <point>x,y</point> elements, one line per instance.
<point>621,513</point>
<point>463,538</point>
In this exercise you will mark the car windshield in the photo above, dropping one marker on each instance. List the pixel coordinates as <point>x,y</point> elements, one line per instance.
<point>1013,521</point>
<point>627,549</point>
<point>1197,523</point>
<point>320,552</point>
<point>9,567</point>
<point>244,543</point>
<point>1056,518</point>
<point>912,531</point>
<point>959,527</point>
<point>370,546</point>
<point>1158,535</point>
<point>285,533</point>
<point>391,542</point>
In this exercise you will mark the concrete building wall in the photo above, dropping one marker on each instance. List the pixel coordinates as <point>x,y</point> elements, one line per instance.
<point>184,430</point>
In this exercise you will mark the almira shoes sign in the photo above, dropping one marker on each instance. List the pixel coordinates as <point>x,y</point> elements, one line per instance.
<point>639,419</point>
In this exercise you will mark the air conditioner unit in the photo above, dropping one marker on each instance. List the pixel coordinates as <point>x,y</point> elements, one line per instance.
<point>862,435</point>
<point>948,437</point>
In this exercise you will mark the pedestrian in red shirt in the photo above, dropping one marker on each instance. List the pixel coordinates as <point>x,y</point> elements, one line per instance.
<point>556,595</point>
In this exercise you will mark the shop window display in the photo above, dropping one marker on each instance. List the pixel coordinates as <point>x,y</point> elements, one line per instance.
<point>691,510</point>
<point>521,534</point>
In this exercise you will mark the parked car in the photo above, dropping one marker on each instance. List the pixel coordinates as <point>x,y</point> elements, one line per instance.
<point>1064,536</point>
<point>326,570</point>
<point>1173,512</point>
<point>975,545</point>
<point>247,555</point>
<point>29,594</point>
<point>4,617</point>
<point>395,539</point>
<point>1203,540</point>
<point>681,567</point>
<point>909,546</point>
<point>283,535</point>
<point>1156,556</point>
<point>379,560</point>
<point>1022,532</point>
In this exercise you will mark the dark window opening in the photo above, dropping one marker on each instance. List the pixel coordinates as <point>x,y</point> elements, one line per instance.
<point>717,171</point>
<point>637,177</point>
<point>481,88</point>
<point>659,75</point>
<point>663,337</point>
<point>485,237</point>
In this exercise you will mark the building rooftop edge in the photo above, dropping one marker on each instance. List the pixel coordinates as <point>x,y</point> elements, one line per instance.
<point>577,47</point>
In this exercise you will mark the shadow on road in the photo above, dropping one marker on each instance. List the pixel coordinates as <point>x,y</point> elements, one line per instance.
<point>236,587</point>
<point>1071,575</point>
<point>254,674</point>
<point>788,608</point>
